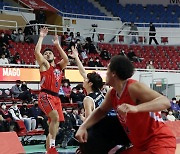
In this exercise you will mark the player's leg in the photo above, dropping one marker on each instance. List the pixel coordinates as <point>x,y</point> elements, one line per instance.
<point>53,126</point>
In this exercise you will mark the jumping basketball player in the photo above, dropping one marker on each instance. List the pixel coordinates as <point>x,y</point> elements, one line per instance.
<point>51,76</point>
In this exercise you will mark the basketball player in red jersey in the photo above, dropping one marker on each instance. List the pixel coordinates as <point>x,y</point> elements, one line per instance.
<point>51,76</point>
<point>138,109</point>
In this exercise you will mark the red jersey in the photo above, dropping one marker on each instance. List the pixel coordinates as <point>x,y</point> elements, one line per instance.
<point>51,79</point>
<point>144,129</point>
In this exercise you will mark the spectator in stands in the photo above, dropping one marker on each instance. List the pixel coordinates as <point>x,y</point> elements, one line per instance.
<point>4,39</point>
<point>105,55</point>
<point>98,63</point>
<point>70,38</point>
<point>36,113</point>
<point>66,132</point>
<point>66,89</point>
<point>175,107</point>
<point>6,122</point>
<point>150,65</point>
<point>133,57</point>
<point>18,93</point>
<point>170,116</point>
<point>20,36</point>
<point>84,54</point>
<point>89,46</point>
<point>61,94</point>
<point>64,39</point>
<point>91,62</point>
<point>82,114</point>
<point>77,119</point>
<point>24,86</point>
<point>179,108</point>
<point>5,50</point>
<point>25,113</point>
<point>3,59</point>
<point>133,32</point>
<point>24,110</point>
<point>80,38</point>
<point>81,92</point>
<point>122,53</point>
<point>152,33</point>
<point>16,59</point>
<point>75,97</point>
<point>14,35</point>
<point>81,50</point>
<point>16,115</point>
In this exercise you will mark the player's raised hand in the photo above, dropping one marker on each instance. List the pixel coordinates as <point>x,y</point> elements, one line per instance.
<point>74,53</point>
<point>55,40</point>
<point>43,31</point>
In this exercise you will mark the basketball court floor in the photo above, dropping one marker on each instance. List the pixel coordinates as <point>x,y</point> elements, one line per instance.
<point>39,149</point>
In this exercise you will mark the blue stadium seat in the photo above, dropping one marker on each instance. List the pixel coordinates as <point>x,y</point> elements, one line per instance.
<point>76,7</point>
<point>151,12</point>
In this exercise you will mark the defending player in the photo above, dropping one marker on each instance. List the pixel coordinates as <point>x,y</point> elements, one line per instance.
<point>137,106</point>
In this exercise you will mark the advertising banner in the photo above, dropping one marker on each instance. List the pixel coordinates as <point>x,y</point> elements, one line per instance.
<point>33,75</point>
<point>38,4</point>
<point>23,74</point>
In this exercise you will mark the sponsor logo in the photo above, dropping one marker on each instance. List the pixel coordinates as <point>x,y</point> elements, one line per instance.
<point>11,72</point>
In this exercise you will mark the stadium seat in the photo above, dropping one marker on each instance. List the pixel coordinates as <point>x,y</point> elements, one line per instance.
<point>164,40</point>
<point>140,39</point>
<point>121,38</point>
<point>100,37</point>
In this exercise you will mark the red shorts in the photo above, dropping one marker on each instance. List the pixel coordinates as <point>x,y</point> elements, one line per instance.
<point>47,103</point>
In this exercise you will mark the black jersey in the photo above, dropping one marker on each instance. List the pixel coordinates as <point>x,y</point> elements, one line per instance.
<point>98,98</point>
<point>105,134</point>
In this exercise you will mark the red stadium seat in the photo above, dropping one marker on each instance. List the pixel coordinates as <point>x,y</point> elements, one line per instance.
<point>164,40</point>
<point>100,37</point>
<point>121,38</point>
<point>140,39</point>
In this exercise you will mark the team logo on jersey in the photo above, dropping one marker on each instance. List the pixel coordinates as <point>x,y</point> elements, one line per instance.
<point>57,74</point>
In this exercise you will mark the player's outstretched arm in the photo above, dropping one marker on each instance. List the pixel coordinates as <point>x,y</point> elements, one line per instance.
<point>63,63</point>
<point>39,57</point>
<point>79,63</point>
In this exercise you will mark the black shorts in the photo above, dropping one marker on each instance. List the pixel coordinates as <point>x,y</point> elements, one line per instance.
<point>105,135</point>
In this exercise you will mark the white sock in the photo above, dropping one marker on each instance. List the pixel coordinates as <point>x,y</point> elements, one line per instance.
<point>52,143</point>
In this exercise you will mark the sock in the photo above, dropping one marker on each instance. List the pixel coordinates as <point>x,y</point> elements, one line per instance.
<point>52,143</point>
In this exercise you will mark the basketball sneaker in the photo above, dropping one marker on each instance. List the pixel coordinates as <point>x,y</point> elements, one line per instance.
<point>52,150</point>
